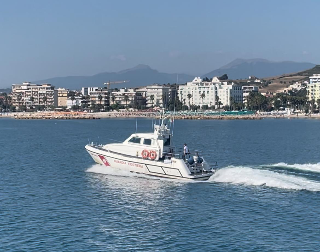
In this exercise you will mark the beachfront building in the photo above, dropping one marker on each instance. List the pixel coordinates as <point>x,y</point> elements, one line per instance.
<point>314,79</point>
<point>229,93</point>
<point>85,91</point>
<point>198,92</point>
<point>99,97</point>
<point>313,91</point>
<point>212,93</point>
<point>141,98</point>
<point>313,88</point>
<point>246,90</point>
<point>30,95</point>
<point>125,97</point>
<point>61,96</point>
<point>74,100</point>
<point>158,95</point>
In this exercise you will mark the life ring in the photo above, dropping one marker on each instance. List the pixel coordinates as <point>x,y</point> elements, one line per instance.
<point>145,154</point>
<point>153,155</point>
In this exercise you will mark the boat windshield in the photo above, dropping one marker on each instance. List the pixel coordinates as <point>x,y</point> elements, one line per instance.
<point>135,140</point>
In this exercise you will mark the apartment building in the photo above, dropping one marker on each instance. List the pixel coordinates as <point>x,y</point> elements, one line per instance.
<point>87,90</point>
<point>246,90</point>
<point>123,97</point>
<point>211,93</point>
<point>157,95</point>
<point>61,96</point>
<point>30,95</point>
<point>100,97</point>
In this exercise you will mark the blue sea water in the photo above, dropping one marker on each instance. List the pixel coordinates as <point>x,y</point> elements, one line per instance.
<point>264,197</point>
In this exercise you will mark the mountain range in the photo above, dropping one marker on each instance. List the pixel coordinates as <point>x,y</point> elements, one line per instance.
<point>140,75</point>
<point>261,68</point>
<point>143,75</point>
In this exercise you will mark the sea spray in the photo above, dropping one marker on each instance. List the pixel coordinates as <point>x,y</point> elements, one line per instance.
<point>303,167</point>
<point>258,177</point>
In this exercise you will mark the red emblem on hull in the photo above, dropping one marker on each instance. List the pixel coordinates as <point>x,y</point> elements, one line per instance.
<point>104,160</point>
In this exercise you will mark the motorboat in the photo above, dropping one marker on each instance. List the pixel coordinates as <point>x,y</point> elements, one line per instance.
<point>152,154</point>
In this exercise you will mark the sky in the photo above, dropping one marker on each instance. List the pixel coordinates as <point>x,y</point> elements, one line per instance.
<point>40,39</point>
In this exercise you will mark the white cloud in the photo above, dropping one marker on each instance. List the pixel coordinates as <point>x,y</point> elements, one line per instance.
<point>120,57</point>
<point>174,54</point>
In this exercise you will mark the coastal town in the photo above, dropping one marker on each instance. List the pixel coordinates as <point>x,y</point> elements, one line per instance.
<point>204,97</point>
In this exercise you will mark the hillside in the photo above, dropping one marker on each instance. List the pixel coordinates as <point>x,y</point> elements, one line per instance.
<point>141,75</point>
<point>5,90</point>
<point>280,82</point>
<point>261,68</point>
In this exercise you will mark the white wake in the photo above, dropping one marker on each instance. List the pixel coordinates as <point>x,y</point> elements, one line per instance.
<point>302,167</point>
<point>259,177</point>
<point>234,175</point>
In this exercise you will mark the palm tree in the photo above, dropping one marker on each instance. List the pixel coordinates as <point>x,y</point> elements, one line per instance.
<point>72,98</point>
<point>87,99</point>
<point>126,99</point>
<point>312,105</point>
<point>318,103</point>
<point>8,101</point>
<point>232,103</point>
<point>100,98</point>
<point>189,97</point>
<point>5,102</point>
<point>152,99</point>
<point>203,95</point>
<point>45,99</point>
<point>2,104</point>
<point>218,102</point>
<point>113,98</point>
<point>19,98</point>
<point>31,100</point>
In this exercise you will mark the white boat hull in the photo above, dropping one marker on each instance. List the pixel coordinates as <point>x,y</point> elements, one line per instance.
<point>174,168</point>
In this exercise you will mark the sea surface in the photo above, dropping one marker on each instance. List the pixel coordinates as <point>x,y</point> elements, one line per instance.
<point>264,197</point>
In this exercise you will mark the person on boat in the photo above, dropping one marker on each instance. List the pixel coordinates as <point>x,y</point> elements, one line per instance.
<point>185,151</point>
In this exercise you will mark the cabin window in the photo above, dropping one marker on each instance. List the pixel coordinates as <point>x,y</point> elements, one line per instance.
<point>135,140</point>
<point>167,142</point>
<point>147,141</point>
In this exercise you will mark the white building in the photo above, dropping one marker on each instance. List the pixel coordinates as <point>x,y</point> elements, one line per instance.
<point>123,97</point>
<point>198,92</point>
<point>157,95</point>
<point>229,93</point>
<point>253,79</point>
<point>313,89</point>
<point>246,90</point>
<point>141,97</point>
<point>314,78</point>
<point>30,95</point>
<point>75,101</point>
<point>87,90</point>
<point>99,97</point>
<point>62,97</point>
<point>214,93</point>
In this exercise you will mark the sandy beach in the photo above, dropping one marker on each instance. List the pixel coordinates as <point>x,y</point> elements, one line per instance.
<point>98,115</point>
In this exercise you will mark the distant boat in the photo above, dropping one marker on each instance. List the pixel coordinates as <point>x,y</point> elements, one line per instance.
<point>151,154</point>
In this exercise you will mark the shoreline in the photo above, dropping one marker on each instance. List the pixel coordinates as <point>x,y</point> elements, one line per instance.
<point>100,115</point>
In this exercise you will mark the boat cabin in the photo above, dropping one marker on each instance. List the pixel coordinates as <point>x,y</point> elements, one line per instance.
<point>150,145</point>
